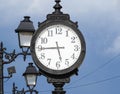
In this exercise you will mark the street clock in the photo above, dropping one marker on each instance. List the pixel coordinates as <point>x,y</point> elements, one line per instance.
<point>58,46</point>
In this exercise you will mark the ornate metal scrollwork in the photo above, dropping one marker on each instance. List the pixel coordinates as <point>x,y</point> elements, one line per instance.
<point>10,57</point>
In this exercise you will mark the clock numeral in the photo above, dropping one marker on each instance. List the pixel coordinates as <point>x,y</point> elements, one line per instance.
<point>73,56</point>
<point>50,33</point>
<point>67,33</point>
<point>39,47</point>
<point>42,56</point>
<point>67,62</point>
<point>73,39</point>
<point>49,61</point>
<point>58,30</point>
<point>76,47</point>
<point>58,64</point>
<point>44,40</point>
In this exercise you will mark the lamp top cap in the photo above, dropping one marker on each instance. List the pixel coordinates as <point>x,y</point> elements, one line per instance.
<point>30,64</point>
<point>27,19</point>
<point>26,25</point>
<point>31,70</point>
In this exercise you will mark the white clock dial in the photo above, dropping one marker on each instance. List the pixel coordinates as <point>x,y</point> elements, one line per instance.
<point>58,47</point>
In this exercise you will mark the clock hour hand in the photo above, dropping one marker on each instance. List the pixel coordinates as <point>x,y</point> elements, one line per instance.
<point>58,48</point>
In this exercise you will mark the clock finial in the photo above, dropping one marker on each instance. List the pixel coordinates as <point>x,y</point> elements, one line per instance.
<point>57,7</point>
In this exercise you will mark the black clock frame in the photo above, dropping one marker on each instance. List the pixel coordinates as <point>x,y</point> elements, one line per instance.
<point>55,73</point>
<point>55,18</point>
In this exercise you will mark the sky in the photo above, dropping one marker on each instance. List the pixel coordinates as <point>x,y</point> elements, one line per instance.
<point>99,22</point>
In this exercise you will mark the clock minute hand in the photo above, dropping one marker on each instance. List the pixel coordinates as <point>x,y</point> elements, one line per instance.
<point>58,48</point>
<point>44,48</point>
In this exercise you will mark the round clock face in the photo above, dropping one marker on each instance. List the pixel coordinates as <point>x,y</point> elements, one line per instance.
<point>58,47</point>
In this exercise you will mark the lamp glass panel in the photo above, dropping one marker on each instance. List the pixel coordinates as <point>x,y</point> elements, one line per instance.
<point>31,80</point>
<point>25,39</point>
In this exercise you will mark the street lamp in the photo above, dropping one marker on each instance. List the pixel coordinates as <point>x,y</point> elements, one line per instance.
<point>31,76</point>
<point>25,32</point>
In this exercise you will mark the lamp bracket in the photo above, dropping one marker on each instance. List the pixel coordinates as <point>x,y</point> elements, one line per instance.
<point>10,57</point>
<point>9,76</point>
<point>16,91</point>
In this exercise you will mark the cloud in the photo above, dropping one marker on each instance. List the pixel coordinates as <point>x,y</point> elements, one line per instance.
<point>87,6</point>
<point>115,46</point>
<point>39,7</point>
<point>89,12</point>
<point>78,6</point>
<point>14,9</point>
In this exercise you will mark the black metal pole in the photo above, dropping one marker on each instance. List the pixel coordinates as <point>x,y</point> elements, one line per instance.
<point>14,88</point>
<point>1,69</point>
<point>58,84</point>
<point>31,92</point>
<point>58,88</point>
